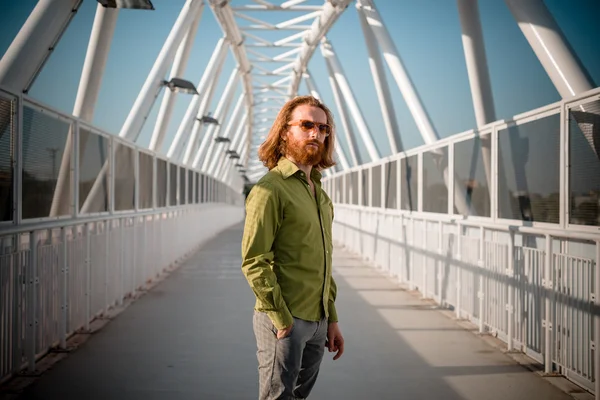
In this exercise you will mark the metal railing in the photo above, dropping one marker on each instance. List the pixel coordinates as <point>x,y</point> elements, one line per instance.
<point>87,219</point>
<point>523,266</point>
<point>55,280</point>
<point>523,285</point>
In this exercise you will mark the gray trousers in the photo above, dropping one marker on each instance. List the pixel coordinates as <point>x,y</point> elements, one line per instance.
<point>288,367</point>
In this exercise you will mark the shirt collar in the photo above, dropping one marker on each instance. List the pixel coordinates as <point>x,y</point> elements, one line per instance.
<point>288,168</point>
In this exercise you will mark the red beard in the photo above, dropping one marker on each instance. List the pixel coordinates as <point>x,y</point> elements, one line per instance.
<point>302,153</point>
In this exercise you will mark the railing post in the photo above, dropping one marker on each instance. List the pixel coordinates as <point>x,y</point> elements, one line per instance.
<point>122,261</point>
<point>145,261</point>
<point>31,301</point>
<point>440,275</point>
<point>547,283</point>
<point>481,293</point>
<point>64,290</point>
<point>107,264</point>
<point>458,258</point>
<point>88,278</point>
<point>424,264</point>
<point>411,268</point>
<point>134,258</point>
<point>510,272</point>
<point>403,254</point>
<point>597,324</point>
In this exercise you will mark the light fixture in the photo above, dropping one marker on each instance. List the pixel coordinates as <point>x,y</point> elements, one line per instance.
<point>136,4</point>
<point>207,119</point>
<point>180,85</point>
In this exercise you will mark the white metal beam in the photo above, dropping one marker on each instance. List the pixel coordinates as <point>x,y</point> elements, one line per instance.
<point>220,114</point>
<point>212,158</point>
<point>94,65</point>
<point>348,95</point>
<point>137,116</point>
<point>257,38</point>
<point>135,120</point>
<point>294,21</point>
<point>381,87</point>
<point>315,93</point>
<point>200,102</point>
<point>479,78</point>
<point>177,71</point>
<point>35,42</point>
<point>255,20</point>
<point>276,8</point>
<point>224,15</point>
<point>290,38</point>
<point>398,71</point>
<point>330,12</point>
<point>547,41</point>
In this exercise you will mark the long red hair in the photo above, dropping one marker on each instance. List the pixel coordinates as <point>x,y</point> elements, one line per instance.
<point>273,148</point>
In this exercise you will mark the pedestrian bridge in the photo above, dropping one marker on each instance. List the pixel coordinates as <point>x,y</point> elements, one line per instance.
<point>467,265</point>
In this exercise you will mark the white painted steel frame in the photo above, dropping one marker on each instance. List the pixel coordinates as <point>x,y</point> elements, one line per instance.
<point>219,154</point>
<point>137,116</point>
<point>550,46</point>
<point>344,86</point>
<point>485,226</point>
<point>339,151</point>
<point>88,90</point>
<point>76,124</point>
<point>177,71</point>
<point>381,86</point>
<point>33,45</point>
<point>220,114</point>
<point>209,83</point>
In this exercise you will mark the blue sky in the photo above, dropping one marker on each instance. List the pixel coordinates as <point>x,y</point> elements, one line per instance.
<point>426,32</point>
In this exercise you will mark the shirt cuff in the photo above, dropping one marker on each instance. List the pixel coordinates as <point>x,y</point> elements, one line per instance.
<point>333,317</point>
<point>281,319</point>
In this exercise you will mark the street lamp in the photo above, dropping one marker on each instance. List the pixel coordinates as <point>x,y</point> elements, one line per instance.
<point>137,4</point>
<point>180,85</point>
<point>207,119</point>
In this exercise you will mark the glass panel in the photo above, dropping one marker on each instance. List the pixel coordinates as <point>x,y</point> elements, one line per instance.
<point>161,183</point>
<point>93,156</point>
<point>172,185</point>
<point>348,189</point>
<point>376,186</point>
<point>391,180</point>
<point>190,188</point>
<point>202,189</point>
<point>435,192</point>
<point>364,175</point>
<point>528,171</point>
<point>409,179</point>
<point>471,169</point>
<point>584,156</point>
<point>146,171</point>
<point>44,142</point>
<point>182,199</point>
<point>353,188</point>
<point>124,177</point>
<point>7,157</point>
<point>197,188</point>
<point>338,188</point>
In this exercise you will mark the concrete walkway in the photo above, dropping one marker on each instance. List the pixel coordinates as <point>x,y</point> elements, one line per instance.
<point>191,338</point>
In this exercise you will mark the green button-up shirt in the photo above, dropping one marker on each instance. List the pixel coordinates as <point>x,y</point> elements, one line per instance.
<point>287,246</point>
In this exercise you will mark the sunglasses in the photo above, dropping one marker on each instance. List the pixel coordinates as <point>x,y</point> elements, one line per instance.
<point>308,126</point>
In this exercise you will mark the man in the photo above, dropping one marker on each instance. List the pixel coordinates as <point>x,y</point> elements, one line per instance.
<point>286,252</point>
